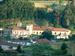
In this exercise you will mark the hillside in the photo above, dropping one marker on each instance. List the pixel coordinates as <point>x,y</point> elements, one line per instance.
<point>56,15</point>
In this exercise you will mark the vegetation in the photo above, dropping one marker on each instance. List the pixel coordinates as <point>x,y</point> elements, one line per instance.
<point>1,50</point>
<point>68,16</point>
<point>16,9</point>
<point>19,49</point>
<point>47,34</point>
<point>64,48</point>
<point>61,16</point>
<point>41,50</point>
<point>72,38</point>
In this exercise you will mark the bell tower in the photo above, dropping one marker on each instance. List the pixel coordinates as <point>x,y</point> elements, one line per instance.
<point>29,28</point>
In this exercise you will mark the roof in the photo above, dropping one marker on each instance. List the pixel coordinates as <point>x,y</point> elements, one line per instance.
<point>39,27</point>
<point>58,29</point>
<point>49,28</point>
<point>43,41</point>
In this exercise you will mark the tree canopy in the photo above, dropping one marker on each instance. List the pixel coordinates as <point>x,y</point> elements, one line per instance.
<point>16,9</point>
<point>47,34</point>
<point>24,9</point>
<point>41,50</point>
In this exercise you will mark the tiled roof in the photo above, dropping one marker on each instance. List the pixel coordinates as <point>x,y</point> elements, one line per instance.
<point>49,28</point>
<point>39,28</point>
<point>43,41</point>
<point>58,29</point>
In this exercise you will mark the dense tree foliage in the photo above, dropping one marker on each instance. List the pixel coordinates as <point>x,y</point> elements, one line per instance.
<point>72,37</point>
<point>64,48</point>
<point>38,49</point>
<point>68,18</point>
<point>16,9</point>
<point>19,49</point>
<point>47,34</point>
<point>41,50</point>
<point>1,50</point>
<point>24,9</point>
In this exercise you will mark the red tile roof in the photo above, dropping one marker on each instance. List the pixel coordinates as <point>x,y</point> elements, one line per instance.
<point>58,29</point>
<point>39,27</point>
<point>49,28</point>
<point>42,41</point>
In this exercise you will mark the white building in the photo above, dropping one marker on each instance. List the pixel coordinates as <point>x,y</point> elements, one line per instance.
<point>58,32</point>
<point>61,33</point>
<point>17,32</point>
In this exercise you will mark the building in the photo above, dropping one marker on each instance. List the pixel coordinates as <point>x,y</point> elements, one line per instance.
<point>43,41</point>
<point>16,32</point>
<point>34,29</point>
<point>19,32</point>
<point>58,32</point>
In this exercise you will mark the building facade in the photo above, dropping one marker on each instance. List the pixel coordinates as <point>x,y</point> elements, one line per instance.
<point>61,33</point>
<point>16,32</point>
<point>58,32</point>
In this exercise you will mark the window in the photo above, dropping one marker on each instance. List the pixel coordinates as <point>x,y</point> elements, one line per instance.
<point>40,32</point>
<point>55,33</point>
<point>37,32</point>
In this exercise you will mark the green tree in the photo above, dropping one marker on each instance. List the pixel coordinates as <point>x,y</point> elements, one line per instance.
<point>39,15</point>
<point>51,17</point>
<point>16,9</point>
<point>19,49</point>
<point>64,48</point>
<point>72,37</point>
<point>47,34</point>
<point>1,50</point>
<point>68,18</point>
<point>41,49</point>
<point>55,16</point>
